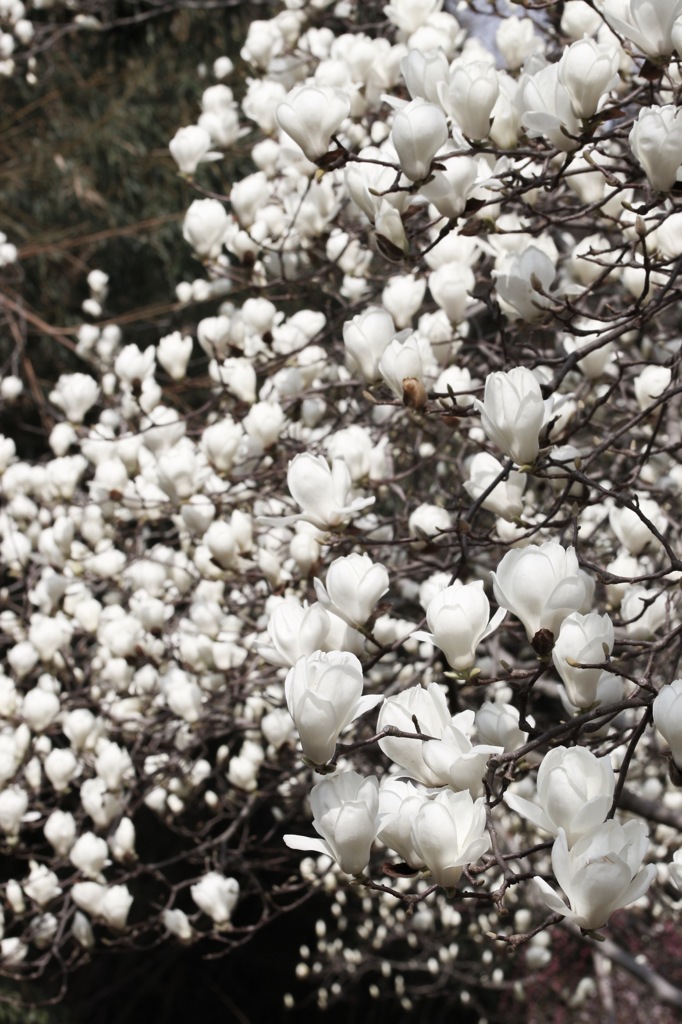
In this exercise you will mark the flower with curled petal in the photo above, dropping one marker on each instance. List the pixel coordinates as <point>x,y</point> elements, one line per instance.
<point>600,874</point>
<point>346,814</point>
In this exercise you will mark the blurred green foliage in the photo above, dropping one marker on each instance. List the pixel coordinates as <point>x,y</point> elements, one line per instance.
<point>86,178</point>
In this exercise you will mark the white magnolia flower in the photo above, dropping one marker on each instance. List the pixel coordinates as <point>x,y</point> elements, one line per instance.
<point>204,227</point>
<point>542,585</point>
<point>600,874</point>
<point>459,619</point>
<point>588,70</point>
<point>75,394</point>
<point>469,95</point>
<point>366,337</point>
<point>675,869</point>
<point>583,640</point>
<point>323,492</point>
<point>346,814</point>
<point>629,528</point>
<point>513,413</point>
<point>656,141</point>
<point>324,695</point>
<point>191,146</point>
<point>505,499</point>
<point>646,23</point>
<point>414,710</point>
<point>217,896</point>
<point>353,587</point>
<point>667,708</point>
<point>498,724</point>
<point>454,760</point>
<point>295,631</point>
<point>523,281</point>
<point>448,833</point>
<point>311,114</point>
<point>574,793</point>
<point>399,803</point>
<point>419,130</point>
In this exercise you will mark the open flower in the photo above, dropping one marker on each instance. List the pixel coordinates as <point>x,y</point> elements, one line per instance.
<point>324,694</point>
<point>574,793</point>
<point>324,493</point>
<point>346,815</point>
<point>414,710</point>
<point>513,413</point>
<point>311,114</point>
<point>448,833</point>
<point>667,708</point>
<point>216,895</point>
<point>459,619</point>
<point>455,760</point>
<point>583,640</point>
<point>601,873</point>
<point>353,586</point>
<point>542,585</point>
<point>399,804</point>
<point>656,141</point>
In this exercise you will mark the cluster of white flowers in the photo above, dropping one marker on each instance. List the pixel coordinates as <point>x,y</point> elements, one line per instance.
<point>440,370</point>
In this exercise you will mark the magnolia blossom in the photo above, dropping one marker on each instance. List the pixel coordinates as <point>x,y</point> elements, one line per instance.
<point>513,413</point>
<point>324,694</point>
<point>643,611</point>
<point>449,189</point>
<point>352,588</point>
<point>469,95</point>
<point>295,631</point>
<point>651,383</point>
<point>459,619</point>
<point>547,108</point>
<point>423,72</point>
<point>454,760</point>
<point>311,114</point>
<point>324,493</point>
<point>366,337</point>
<point>505,499</point>
<point>498,725</point>
<point>583,639</point>
<point>448,833</point>
<point>173,352</point>
<point>217,896</point>
<point>646,23</point>
<point>574,793</point>
<point>656,141</point>
<point>108,903</point>
<point>346,815</point>
<point>75,394</point>
<point>667,708</point>
<point>399,803</point>
<point>600,874</point>
<point>523,281</point>
<point>191,146</point>
<point>401,360</point>
<point>541,585</point>
<point>204,227</point>
<point>409,15</point>
<point>414,710</point>
<point>429,521</point>
<point>629,527</point>
<point>588,70</point>
<point>675,869</point>
<point>419,130</point>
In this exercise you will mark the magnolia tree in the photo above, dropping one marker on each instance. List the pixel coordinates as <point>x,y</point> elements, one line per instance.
<point>368,576</point>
